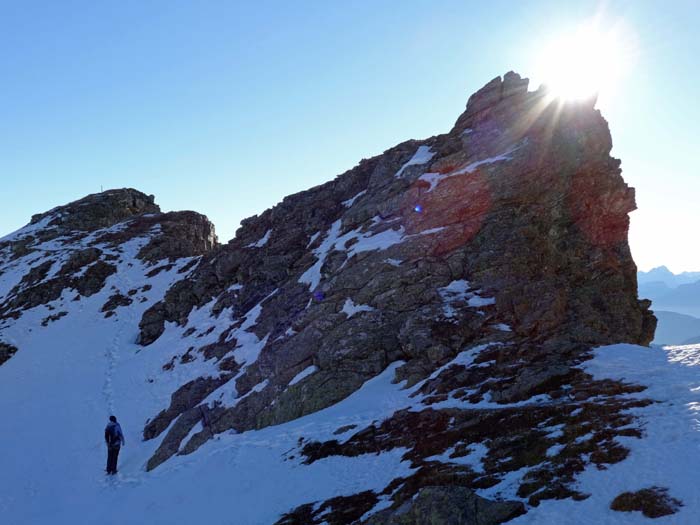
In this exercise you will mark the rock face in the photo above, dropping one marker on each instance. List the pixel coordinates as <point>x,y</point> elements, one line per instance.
<point>73,249</point>
<point>479,266</point>
<point>100,210</point>
<point>6,352</point>
<point>510,229</point>
<point>450,506</point>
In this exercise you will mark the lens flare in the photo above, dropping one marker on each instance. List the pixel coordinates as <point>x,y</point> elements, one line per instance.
<point>586,62</point>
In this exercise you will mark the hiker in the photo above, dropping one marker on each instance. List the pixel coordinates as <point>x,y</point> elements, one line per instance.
<point>115,440</point>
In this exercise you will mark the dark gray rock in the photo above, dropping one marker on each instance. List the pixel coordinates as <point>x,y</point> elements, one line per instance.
<point>115,301</point>
<point>6,352</point>
<point>531,381</point>
<point>100,210</point>
<point>79,260</point>
<point>187,396</point>
<point>449,505</point>
<point>172,442</point>
<point>540,230</point>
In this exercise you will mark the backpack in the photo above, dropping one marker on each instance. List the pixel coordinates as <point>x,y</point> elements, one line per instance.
<point>113,438</point>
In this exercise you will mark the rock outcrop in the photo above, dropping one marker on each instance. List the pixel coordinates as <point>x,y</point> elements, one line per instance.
<point>654,502</point>
<point>100,210</point>
<point>450,505</point>
<point>480,267</point>
<point>6,352</point>
<point>510,229</point>
<point>74,249</point>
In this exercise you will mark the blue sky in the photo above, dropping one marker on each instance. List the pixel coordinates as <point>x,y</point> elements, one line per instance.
<point>226,107</point>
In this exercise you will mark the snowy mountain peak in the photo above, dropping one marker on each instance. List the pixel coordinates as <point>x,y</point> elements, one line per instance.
<point>663,275</point>
<point>408,335</point>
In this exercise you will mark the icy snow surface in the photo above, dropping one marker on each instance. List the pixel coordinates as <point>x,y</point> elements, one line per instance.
<point>312,276</point>
<point>460,292</point>
<point>477,453</point>
<point>423,155</point>
<point>350,202</point>
<point>350,308</point>
<point>242,479</point>
<point>303,374</point>
<point>668,455</point>
<point>260,242</point>
<point>365,241</point>
<point>435,178</point>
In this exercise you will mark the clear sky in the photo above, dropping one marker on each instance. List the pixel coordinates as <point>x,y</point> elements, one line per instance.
<point>225,107</point>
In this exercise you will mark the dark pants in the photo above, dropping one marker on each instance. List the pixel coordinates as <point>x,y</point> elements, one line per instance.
<point>112,455</point>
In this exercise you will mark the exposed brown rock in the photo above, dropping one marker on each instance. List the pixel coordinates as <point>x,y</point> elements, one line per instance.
<point>654,502</point>
<point>522,200</point>
<point>100,210</point>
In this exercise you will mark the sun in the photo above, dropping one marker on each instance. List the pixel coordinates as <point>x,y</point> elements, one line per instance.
<point>583,63</point>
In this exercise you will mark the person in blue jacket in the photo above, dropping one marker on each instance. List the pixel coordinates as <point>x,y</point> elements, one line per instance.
<point>115,440</point>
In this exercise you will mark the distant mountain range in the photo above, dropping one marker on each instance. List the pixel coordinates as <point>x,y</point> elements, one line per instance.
<point>676,301</point>
<point>663,275</point>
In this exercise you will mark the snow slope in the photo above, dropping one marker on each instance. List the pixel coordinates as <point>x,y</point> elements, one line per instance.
<point>667,456</point>
<point>64,373</point>
<point>53,463</point>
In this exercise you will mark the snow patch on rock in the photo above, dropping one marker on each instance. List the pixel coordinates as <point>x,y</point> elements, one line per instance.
<point>436,178</point>
<point>260,242</point>
<point>350,308</point>
<point>303,374</point>
<point>423,155</point>
<point>358,241</point>
<point>351,201</point>
<point>459,293</point>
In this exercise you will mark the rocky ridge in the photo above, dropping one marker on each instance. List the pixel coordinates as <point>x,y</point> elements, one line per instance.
<point>483,264</point>
<point>68,253</point>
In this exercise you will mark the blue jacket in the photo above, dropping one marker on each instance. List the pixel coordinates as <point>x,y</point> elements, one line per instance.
<point>113,435</point>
